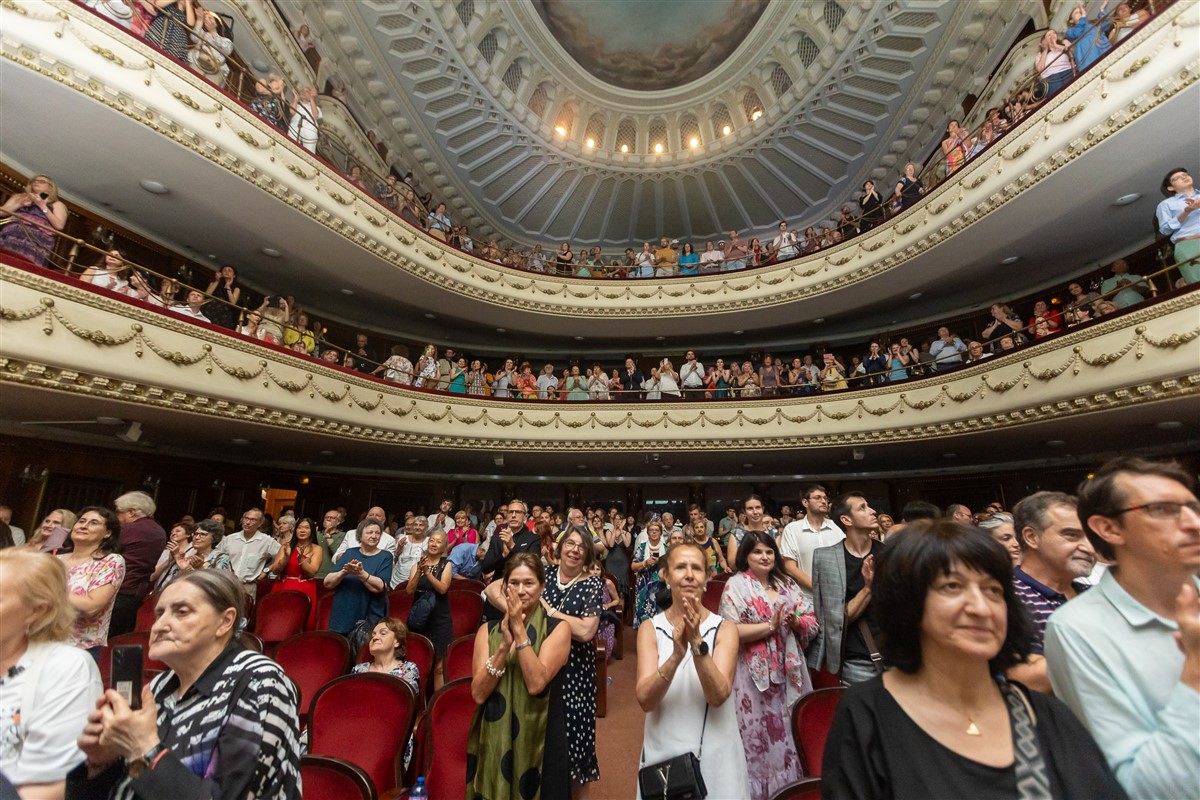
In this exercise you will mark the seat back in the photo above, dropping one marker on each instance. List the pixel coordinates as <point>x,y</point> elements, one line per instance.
<point>449,724</point>
<point>466,611</point>
<point>803,789</point>
<point>328,778</point>
<point>419,651</point>
<point>365,719</point>
<point>280,615</point>
<point>150,667</point>
<point>811,718</point>
<point>466,585</point>
<point>251,642</point>
<point>312,660</point>
<point>712,596</point>
<point>324,611</point>
<point>399,604</point>
<point>145,614</point>
<point>459,659</point>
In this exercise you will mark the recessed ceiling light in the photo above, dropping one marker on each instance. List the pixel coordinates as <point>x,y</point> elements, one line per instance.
<point>271,252</point>
<point>1010,260</point>
<point>843,463</point>
<point>589,143</point>
<point>660,338</point>
<point>1168,425</point>
<point>326,452</point>
<point>624,148</point>
<point>949,455</point>
<point>348,292</point>
<point>260,65</point>
<point>726,130</point>
<point>579,338</point>
<point>153,187</point>
<point>1126,199</point>
<point>1054,443</point>
<point>665,466</point>
<point>240,441</point>
<point>430,315</point>
<point>501,330</point>
<point>738,333</point>
<point>109,421</point>
<point>747,466</point>
<point>658,148</point>
<point>694,142</point>
<point>581,466</point>
<point>212,256</point>
<point>819,320</point>
<point>915,296</point>
<point>414,461</point>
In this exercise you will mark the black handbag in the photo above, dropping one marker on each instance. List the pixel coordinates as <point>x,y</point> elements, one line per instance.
<point>677,778</point>
<point>421,611</point>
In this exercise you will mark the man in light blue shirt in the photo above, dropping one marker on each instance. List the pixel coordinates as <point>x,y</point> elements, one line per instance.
<point>947,350</point>
<point>1125,655</point>
<point>1124,289</point>
<point>1179,217</point>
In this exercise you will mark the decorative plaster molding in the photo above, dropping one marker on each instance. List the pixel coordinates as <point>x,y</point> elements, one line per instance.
<point>59,40</point>
<point>72,339</point>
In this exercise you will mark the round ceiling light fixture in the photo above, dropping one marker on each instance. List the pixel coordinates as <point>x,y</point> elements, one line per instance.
<point>694,142</point>
<point>271,252</point>
<point>658,148</point>
<point>589,143</point>
<point>153,187</point>
<point>915,296</point>
<point>348,292</point>
<point>726,130</point>
<point>1168,425</point>
<point>1127,199</point>
<point>624,148</point>
<point>1010,260</point>
<point>756,115</point>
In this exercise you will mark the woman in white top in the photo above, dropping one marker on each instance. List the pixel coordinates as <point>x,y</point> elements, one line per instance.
<point>305,118</point>
<point>211,48</point>
<point>109,273</point>
<point>598,383</point>
<point>687,657</point>
<point>47,687</point>
<point>644,262</point>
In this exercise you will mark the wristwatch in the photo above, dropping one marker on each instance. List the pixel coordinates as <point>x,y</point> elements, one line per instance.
<point>139,765</point>
<point>700,649</point>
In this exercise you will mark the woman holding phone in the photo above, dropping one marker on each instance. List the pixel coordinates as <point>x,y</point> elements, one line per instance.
<point>646,557</point>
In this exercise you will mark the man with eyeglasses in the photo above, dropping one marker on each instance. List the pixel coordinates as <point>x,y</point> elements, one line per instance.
<point>250,551</point>
<point>801,538</point>
<point>1125,655</point>
<point>511,538</point>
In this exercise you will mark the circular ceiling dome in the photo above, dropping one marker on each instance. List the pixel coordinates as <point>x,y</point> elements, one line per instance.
<point>649,45</point>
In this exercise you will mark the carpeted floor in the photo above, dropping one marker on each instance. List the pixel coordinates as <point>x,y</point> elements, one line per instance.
<point>619,734</point>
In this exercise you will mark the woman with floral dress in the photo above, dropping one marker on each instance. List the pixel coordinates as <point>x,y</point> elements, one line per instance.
<point>646,556</point>
<point>95,572</point>
<point>775,621</point>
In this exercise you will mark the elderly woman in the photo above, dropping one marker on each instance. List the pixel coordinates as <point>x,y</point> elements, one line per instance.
<point>574,594</point>
<point>518,739</point>
<point>941,724</point>
<point>95,571</point>
<point>54,530</point>
<point>1000,525</point>
<point>686,661</point>
<point>179,545</point>
<point>646,556</point>
<point>775,621</point>
<point>430,580</point>
<point>306,116</point>
<point>48,687</point>
<point>36,214</point>
<point>388,647</point>
<point>221,722</point>
<point>360,580</point>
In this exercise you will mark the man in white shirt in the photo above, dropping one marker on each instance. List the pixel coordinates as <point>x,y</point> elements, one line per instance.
<point>386,540</point>
<point>440,520</point>
<point>801,538</point>
<point>785,245</point>
<point>409,549</point>
<point>691,375</point>
<point>547,382</point>
<point>18,535</point>
<point>250,551</point>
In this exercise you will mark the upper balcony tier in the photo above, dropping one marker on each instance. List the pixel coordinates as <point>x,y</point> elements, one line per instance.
<point>71,352</point>
<point>101,110</point>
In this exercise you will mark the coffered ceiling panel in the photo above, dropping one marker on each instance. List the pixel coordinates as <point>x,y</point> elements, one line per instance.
<point>506,105</point>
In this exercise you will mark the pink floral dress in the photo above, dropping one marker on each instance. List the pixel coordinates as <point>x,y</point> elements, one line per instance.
<point>771,677</point>
<point>92,630</point>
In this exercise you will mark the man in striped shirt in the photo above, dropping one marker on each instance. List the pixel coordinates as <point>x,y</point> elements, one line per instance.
<point>1055,554</point>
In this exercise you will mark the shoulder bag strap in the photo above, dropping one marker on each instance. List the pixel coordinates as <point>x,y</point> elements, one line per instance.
<point>1032,780</point>
<point>865,630</point>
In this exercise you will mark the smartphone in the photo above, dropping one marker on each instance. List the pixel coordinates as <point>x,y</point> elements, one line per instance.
<point>126,674</point>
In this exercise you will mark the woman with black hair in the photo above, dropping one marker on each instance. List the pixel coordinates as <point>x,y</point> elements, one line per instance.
<point>944,723</point>
<point>95,572</point>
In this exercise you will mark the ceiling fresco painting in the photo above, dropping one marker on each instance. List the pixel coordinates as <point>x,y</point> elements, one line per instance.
<point>650,44</point>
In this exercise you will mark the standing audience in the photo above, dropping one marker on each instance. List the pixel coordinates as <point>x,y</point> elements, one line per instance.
<point>95,572</point>
<point>142,542</point>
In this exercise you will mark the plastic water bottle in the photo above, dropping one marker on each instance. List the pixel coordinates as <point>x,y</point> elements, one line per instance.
<point>418,790</point>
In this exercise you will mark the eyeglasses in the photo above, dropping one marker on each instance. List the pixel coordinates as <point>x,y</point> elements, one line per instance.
<point>520,511</point>
<point>1163,509</point>
<point>573,546</point>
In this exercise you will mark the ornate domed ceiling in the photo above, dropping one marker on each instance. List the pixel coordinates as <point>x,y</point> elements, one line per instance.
<point>530,120</point>
<point>650,44</point>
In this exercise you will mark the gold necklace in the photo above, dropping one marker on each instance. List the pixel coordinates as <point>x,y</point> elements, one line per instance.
<point>972,728</point>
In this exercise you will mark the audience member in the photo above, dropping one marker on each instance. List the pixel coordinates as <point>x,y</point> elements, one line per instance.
<point>940,724</point>
<point>142,542</point>
<point>1125,655</point>
<point>1124,289</point>
<point>297,563</point>
<point>646,557</point>
<point>755,520</point>
<point>250,552</point>
<point>95,571</point>
<point>1179,218</point>
<point>222,721</point>
<point>54,530</point>
<point>35,214</point>
<point>360,582</point>
<point>801,538</point>
<point>1089,40</point>
<point>49,687</point>
<point>518,734</point>
<point>957,512</point>
<point>842,577</point>
<point>775,621</point>
<point>1055,555</point>
<point>1000,526</point>
<point>388,647</point>
<point>428,582</point>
